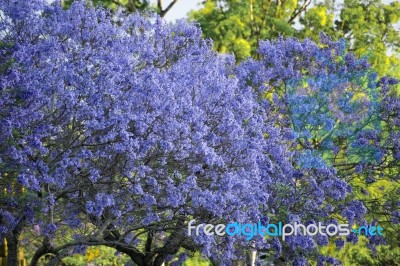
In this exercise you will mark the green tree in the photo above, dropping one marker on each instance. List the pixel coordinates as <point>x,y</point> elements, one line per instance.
<point>369,26</point>
<point>237,26</point>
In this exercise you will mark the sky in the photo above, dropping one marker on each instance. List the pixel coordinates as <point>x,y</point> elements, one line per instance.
<point>180,9</point>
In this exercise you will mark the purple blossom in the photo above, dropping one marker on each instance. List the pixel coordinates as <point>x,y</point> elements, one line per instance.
<point>339,243</point>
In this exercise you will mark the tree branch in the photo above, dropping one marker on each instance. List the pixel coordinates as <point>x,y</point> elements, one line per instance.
<point>163,12</point>
<point>299,10</point>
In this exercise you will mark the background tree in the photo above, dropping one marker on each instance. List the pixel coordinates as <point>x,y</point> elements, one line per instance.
<point>368,26</point>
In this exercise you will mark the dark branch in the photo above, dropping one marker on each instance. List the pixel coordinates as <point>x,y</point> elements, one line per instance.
<point>299,10</point>
<point>163,12</point>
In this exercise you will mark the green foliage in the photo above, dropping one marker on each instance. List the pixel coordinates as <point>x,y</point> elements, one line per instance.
<point>369,26</point>
<point>197,260</point>
<point>359,254</point>
<point>99,255</point>
<point>237,26</point>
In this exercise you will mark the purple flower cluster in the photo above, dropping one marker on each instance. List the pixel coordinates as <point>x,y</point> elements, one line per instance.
<point>334,104</point>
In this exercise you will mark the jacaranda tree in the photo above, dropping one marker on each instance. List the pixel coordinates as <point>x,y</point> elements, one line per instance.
<point>121,129</point>
<point>344,118</point>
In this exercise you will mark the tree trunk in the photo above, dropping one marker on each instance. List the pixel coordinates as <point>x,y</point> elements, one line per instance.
<point>251,258</point>
<point>159,260</point>
<point>12,246</point>
<point>44,249</point>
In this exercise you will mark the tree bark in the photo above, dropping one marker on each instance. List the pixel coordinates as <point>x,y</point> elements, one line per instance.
<point>44,249</point>
<point>12,246</point>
